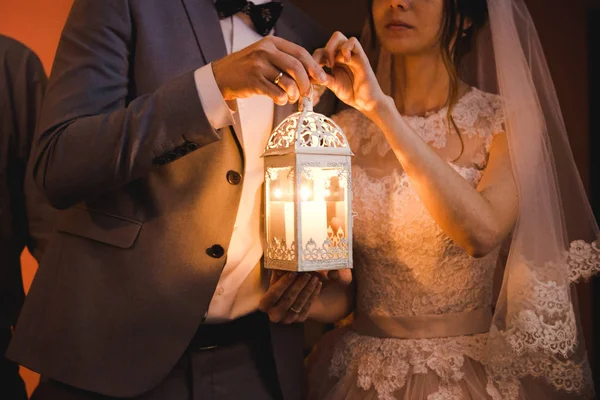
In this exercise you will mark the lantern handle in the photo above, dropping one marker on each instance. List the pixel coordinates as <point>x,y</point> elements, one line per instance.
<point>306,102</point>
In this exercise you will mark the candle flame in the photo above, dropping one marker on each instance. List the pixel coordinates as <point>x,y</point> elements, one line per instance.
<point>277,193</point>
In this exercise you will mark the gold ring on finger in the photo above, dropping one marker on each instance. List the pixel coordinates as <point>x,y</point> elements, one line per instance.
<point>294,310</point>
<point>276,80</point>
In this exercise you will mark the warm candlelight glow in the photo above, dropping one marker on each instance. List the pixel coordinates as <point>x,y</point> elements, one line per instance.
<point>306,193</point>
<point>277,193</point>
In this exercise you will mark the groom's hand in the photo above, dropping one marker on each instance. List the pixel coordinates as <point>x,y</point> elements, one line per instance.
<point>254,71</point>
<point>290,296</point>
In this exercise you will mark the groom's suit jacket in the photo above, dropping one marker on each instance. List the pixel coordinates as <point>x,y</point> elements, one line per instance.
<point>149,193</point>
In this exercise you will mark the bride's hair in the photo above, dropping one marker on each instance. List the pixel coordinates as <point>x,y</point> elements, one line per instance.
<point>461,22</point>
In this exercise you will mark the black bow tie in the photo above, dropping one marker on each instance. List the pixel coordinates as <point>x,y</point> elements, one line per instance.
<point>263,16</point>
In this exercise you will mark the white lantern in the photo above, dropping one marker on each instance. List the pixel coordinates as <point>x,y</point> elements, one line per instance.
<point>308,194</point>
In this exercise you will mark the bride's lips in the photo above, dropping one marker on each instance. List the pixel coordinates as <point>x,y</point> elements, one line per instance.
<point>398,26</point>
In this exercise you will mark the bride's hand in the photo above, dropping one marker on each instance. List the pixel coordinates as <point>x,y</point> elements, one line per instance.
<point>352,79</point>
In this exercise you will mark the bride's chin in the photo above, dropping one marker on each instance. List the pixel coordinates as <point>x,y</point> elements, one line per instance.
<point>401,46</point>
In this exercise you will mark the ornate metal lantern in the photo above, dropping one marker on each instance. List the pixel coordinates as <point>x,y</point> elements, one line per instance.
<point>308,194</point>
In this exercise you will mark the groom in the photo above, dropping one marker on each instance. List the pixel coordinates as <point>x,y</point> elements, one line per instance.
<point>150,142</point>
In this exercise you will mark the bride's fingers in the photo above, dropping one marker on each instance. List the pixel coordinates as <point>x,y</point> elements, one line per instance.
<point>352,54</point>
<point>341,59</point>
<point>331,48</point>
<point>320,57</point>
<point>350,46</point>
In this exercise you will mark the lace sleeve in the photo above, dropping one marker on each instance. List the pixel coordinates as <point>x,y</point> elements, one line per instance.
<point>477,114</point>
<point>498,117</point>
<point>480,117</point>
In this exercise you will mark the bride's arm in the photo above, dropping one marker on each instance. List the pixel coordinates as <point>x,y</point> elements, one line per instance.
<point>477,219</point>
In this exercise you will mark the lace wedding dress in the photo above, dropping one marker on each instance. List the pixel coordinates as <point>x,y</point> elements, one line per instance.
<point>407,268</point>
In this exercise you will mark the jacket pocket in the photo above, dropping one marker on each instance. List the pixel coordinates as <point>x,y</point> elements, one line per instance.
<point>100,226</point>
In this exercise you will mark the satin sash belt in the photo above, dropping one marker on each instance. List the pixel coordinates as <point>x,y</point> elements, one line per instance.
<point>424,326</point>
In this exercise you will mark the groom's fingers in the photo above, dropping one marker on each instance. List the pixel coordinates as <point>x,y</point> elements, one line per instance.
<point>276,290</point>
<point>299,53</point>
<point>277,274</point>
<point>276,93</point>
<point>290,87</point>
<point>284,83</point>
<point>287,299</point>
<point>298,306</point>
<point>294,68</point>
<point>303,315</point>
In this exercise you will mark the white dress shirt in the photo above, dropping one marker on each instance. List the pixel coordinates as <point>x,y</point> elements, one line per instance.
<point>240,286</point>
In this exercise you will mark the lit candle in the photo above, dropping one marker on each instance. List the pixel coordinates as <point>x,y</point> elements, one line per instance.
<point>288,211</point>
<point>314,222</point>
<point>282,221</point>
<point>314,210</point>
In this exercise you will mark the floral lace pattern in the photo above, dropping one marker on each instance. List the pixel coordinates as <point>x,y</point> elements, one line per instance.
<point>478,116</point>
<point>583,260</point>
<point>541,339</point>
<point>384,364</point>
<point>400,276</point>
<point>407,265</point>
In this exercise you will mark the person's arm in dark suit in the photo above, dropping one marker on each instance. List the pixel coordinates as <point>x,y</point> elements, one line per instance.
<point>22,83</point>
<point>29,85</point>
<point>93,139</point>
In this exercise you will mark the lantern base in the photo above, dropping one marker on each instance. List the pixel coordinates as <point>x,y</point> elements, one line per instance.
<point>293,266</point>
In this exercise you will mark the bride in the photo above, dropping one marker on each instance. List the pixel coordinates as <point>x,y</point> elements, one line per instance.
<point>462,173</point>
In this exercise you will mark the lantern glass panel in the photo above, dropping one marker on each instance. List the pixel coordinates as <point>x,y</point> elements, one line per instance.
<point>324,214</point>
<point>280,213</point>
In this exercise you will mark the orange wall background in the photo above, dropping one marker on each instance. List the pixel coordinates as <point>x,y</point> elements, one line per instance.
<point>36,23</point>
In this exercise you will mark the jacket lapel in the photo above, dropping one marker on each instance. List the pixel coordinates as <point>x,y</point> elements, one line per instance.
<point>207,28</point>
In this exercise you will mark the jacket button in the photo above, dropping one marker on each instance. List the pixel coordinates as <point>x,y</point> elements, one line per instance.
<point>181,151</point>
<point>160,161</point>
<point>172,156</point>
<point>234,177</point>
<point>216,251</point>
<point>191,146</point>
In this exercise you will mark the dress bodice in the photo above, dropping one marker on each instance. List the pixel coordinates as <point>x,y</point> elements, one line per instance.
<point>405,263</point>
